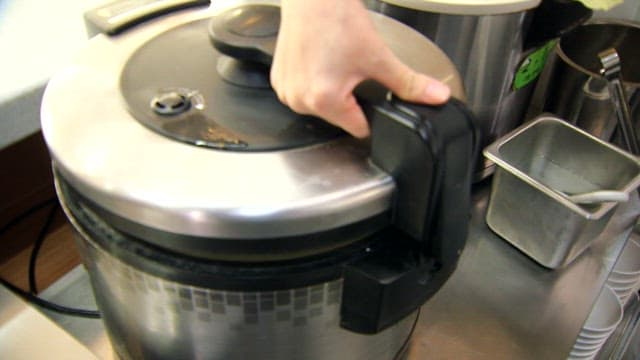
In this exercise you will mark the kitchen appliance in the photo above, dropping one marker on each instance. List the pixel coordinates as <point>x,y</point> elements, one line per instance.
<point>216,223</point>
<point>499,47</point>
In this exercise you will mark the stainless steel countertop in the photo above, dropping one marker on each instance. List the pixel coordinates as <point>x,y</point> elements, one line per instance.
<point>499,304</point>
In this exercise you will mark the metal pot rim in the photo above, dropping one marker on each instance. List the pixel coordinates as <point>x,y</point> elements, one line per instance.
<point>604,21</point>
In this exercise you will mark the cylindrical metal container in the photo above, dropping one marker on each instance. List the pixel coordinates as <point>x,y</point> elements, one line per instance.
<point>486,43</point>
<point>499,47</point>
<point>577,92</point>
<point>216,223</point>
<point>161,305</point>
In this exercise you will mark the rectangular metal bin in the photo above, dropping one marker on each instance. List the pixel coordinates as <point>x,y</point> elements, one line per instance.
<point>539,166</point>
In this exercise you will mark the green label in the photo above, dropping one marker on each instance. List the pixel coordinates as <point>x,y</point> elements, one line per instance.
<point>531,67</point>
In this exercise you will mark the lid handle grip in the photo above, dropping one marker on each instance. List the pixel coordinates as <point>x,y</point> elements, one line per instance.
<point>247,33</point>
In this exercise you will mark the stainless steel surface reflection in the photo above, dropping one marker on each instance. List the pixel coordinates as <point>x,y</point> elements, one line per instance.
<point>499,304</point>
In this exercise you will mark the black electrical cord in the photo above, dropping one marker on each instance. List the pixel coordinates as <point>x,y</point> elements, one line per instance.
<point>91,314</point>
<point>33,258</point>
<point>405,345</point>
<point>31,296</point>
<point>25,214</point>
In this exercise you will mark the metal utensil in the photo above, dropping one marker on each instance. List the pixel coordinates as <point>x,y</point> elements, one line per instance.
<point>600,196</point>
<point>611,71</point>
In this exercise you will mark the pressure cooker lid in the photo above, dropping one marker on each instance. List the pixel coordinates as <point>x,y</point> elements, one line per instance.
<point>159,129</point>
<point>215,100</point>
<point>467,7</point>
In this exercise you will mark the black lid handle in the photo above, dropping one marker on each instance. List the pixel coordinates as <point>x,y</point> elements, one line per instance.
<point>246,33</point>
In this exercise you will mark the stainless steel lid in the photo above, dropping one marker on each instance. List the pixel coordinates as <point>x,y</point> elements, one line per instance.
<point>467,7</point>
<point>145,177</point>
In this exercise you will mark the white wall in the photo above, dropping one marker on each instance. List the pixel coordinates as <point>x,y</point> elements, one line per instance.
<point>37,38</point>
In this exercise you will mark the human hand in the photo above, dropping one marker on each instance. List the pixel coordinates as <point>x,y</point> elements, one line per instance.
<point>325,49</point>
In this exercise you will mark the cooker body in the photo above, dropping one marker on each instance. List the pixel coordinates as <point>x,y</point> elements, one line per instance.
<point>151,316</point>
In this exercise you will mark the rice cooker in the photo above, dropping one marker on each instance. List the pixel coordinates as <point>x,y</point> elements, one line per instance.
<point>215,223</point>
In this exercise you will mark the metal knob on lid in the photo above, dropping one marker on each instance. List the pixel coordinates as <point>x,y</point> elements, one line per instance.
<point>170,103</point>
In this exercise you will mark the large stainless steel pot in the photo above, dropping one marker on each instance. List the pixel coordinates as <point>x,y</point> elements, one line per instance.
<point>577,92</point>
<point>499,47</point>
<point>216,223</point>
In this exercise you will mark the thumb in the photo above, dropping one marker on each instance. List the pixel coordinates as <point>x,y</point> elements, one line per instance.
<point>410,85</point>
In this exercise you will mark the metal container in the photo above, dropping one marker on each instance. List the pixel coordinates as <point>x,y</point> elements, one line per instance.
<point>539,166</point>
<point>484,41</point>
<point>499,48</point>
<point>577,92</point>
